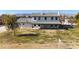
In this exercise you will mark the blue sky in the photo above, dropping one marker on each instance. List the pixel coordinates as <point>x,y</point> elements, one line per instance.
<point>37,11</point>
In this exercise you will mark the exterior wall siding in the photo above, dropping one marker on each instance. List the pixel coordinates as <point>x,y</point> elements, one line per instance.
<point>47,20</point>
<point>21,25</point>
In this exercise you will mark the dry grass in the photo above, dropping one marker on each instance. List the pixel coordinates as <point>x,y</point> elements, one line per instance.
<point>28,46</point>
<point>46,39</point>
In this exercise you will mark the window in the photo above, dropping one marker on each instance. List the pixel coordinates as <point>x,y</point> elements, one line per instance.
<point>38,18</point>
<point>34,18</point>
<point>51,25</point>
<point>38,25</point>
<point>34,24</point>
<point>45,18</point>
<point>55,25</point>
<point>51,18</point>
<point>56,18</point>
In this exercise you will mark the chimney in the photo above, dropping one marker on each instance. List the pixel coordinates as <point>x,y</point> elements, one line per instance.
<point>58,13</point>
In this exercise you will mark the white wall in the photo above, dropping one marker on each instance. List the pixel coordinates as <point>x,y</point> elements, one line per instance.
<point>25,25</point>
<point>48,19</point>
<point>22,22</point>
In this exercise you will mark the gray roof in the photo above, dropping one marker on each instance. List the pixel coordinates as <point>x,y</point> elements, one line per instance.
<point>38,14</point>
<point>24,20</point>
<point>20,15</point>
<point>44,14</point>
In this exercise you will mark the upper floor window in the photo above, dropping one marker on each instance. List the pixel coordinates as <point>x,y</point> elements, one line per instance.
<point>45,18</point>
<point>51,18</point>
<point>56,18</point>
<point>38,18</point>
<point>34,18</point>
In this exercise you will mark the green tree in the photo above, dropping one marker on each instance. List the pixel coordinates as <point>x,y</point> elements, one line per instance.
<point>77,16</point>
<point>77,19</point>
<point>9,21</point>
<point>71,19</point>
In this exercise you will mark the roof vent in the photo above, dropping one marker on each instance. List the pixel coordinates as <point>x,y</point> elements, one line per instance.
<point>43,13</point>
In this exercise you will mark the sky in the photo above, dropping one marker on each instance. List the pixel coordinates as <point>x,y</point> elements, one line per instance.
<point>38,11</point>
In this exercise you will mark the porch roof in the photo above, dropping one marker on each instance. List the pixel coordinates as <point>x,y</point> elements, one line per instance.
<point>46,22</point>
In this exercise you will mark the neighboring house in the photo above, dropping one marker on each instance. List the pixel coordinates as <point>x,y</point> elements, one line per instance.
<point>44,21</point>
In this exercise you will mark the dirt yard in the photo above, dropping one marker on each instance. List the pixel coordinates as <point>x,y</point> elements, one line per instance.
<point>47,39</point>
<point>34,46</point>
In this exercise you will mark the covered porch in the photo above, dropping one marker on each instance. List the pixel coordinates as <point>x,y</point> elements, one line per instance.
<point>47,26</point>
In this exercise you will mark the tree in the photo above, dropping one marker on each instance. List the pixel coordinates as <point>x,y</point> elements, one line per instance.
<point>9,21</point>
<point>77,19</point>
<point>71,19</point>
<point>77,16</point>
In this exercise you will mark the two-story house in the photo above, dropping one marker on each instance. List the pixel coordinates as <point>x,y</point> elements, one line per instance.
<point>43,20</point>
<point>49,20</point>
